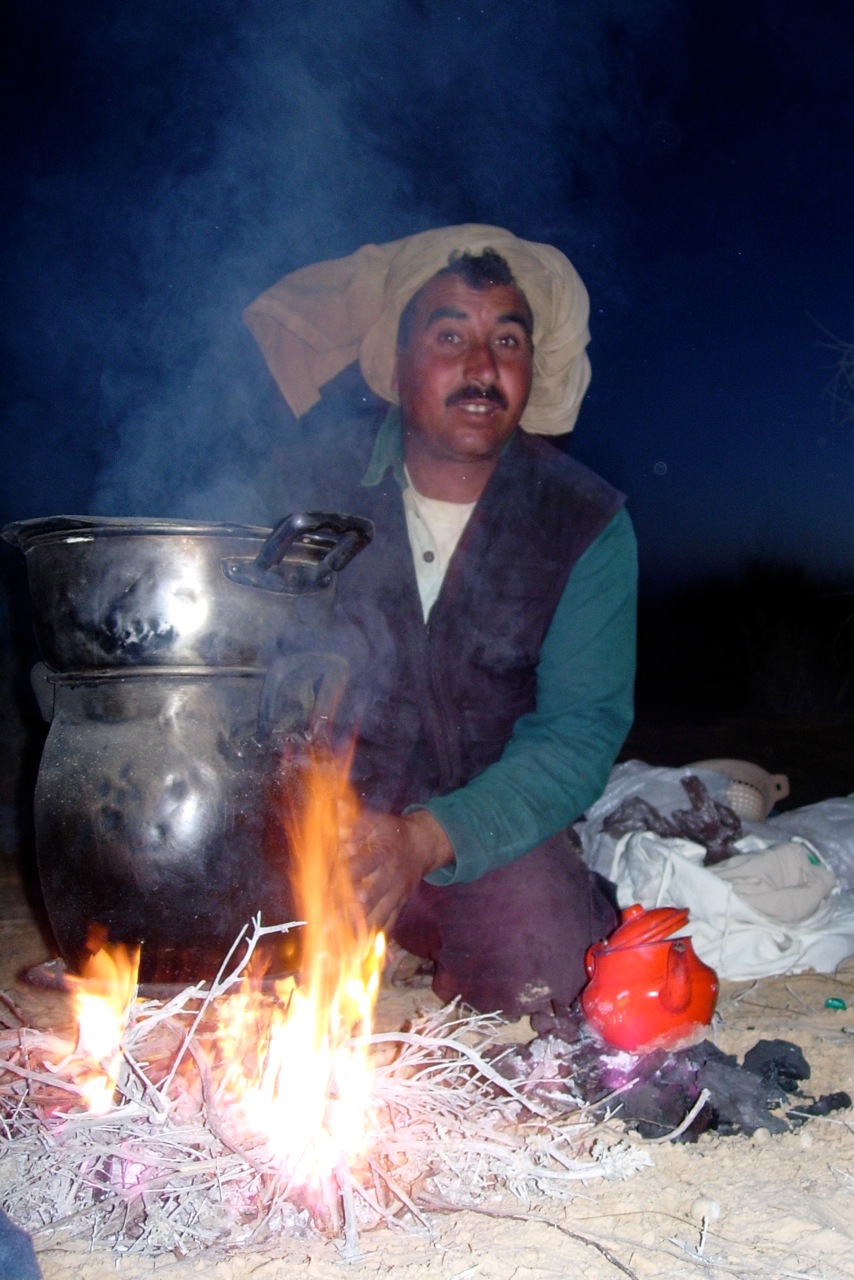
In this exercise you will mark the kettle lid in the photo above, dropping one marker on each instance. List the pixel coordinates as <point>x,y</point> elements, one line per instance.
<point>639,926</point>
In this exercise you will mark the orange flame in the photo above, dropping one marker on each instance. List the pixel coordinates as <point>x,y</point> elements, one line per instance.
<point>102,997</point>
<point>309,1091</point>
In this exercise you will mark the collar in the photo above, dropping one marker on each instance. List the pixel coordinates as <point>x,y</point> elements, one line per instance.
<point>387,452</point>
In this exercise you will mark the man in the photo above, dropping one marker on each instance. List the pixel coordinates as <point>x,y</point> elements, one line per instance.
<point>498,598</point>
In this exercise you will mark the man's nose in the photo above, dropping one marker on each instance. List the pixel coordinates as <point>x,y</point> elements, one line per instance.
<point>480,365</point>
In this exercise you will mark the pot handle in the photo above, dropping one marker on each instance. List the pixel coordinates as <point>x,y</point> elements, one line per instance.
<point>326,672</point>
<point>342,537</point>
<point>44,690</point>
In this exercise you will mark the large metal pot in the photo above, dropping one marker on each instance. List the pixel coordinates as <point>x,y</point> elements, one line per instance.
<point>111,593</point>
<point>183,677</point>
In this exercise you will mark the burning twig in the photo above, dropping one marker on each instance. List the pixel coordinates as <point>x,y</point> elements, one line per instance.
<point>225,979</point>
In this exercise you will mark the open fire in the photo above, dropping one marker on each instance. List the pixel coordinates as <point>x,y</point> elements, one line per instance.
<point>231,1114</point>
<point>296,1071</point>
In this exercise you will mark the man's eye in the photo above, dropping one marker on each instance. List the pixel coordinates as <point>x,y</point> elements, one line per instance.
<point>508,340</point>
<point>447,336</point>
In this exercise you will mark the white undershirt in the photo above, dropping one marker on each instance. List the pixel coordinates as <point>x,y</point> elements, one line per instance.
<point>434,529</point>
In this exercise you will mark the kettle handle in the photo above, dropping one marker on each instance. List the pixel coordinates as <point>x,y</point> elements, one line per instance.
<point>595,949</point>
<point>676,992</point>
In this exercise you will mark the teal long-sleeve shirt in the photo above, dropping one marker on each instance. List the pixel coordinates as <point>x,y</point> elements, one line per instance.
<point>559,755</point>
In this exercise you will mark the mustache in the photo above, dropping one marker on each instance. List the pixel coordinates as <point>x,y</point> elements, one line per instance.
<point>491,394</point>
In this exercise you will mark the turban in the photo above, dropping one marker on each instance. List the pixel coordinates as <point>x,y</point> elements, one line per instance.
<point>316,321</point>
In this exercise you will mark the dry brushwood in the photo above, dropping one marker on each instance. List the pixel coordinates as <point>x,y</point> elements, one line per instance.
<point>167,1169</point>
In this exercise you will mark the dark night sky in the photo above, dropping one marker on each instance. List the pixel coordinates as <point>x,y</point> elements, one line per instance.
<point>166,160</point>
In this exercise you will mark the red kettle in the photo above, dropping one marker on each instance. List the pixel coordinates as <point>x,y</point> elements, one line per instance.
<point>648,990</point>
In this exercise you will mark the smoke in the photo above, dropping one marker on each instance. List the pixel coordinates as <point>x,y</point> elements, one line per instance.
<point>172,161</point>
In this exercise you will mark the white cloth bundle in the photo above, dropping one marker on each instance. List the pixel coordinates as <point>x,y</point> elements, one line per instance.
<point>784,902</point>
<point>728,929</point>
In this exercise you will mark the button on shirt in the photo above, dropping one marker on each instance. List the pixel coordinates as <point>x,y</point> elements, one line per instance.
<point>434,529</point>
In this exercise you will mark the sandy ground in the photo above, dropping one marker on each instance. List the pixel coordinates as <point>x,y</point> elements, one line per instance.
<point>779,1207</point>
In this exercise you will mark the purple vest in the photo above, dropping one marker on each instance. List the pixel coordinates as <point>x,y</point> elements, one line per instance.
<point>432,705</point>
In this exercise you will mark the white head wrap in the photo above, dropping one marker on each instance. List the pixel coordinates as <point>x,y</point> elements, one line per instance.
<point>317,320</point>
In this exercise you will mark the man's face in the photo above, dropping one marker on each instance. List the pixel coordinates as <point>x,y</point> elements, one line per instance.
<point>465,375</point>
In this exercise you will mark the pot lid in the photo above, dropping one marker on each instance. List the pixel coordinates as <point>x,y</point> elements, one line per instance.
<point>639,926</point>
<point>26,533</point>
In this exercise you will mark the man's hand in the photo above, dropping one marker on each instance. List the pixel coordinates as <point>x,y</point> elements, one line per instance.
<point>388,856</point>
